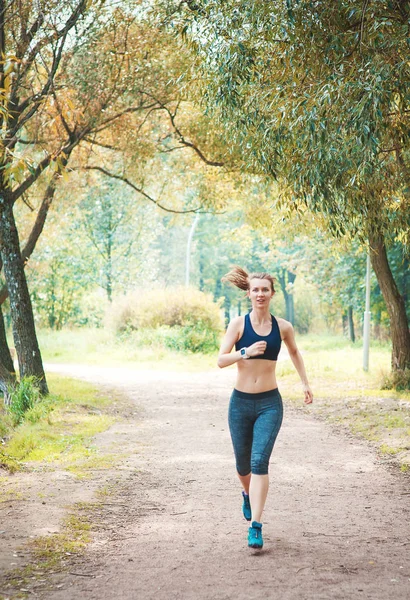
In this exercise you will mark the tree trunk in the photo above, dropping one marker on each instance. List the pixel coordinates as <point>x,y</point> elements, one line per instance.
<point>24,333</point>
<point>7,381</point>
<point>290,308</point>
<point>345,324</point>
<point>352,335</point>
<point>285,278</point>
<point>405,281</point>
<point>399,324</point>
<point>201,267</point>
<point>39,223</point>
<point>5,356</point>
<point>227,310</point>
<point>7,374</point>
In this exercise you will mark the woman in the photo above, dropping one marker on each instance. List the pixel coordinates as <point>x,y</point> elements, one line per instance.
<point>255,409</point>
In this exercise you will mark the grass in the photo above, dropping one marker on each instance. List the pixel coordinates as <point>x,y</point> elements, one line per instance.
<point>102,347</point>
<point>60,438</point>
<point>344,393</point>
<point>51,552</point>
<point>351,398</point>
<point>327,355</point>
<point>62,435</point>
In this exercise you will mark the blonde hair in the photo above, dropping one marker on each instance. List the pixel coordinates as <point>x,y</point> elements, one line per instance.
<point>242,280</point>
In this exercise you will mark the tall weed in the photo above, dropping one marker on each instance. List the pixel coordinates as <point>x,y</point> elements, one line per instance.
<point>23,399</point>
<point>396,380</point>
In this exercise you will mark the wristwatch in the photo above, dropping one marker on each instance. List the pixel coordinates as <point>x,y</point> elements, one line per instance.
<point>243,353</point>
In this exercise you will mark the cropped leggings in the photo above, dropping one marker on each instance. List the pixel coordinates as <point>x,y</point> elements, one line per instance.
<point>254,423</point>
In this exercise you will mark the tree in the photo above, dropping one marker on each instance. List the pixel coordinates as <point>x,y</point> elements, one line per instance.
<point>117,235</point>
<point>316,94</point>
<point>72,72</point>
<point>31,48</point>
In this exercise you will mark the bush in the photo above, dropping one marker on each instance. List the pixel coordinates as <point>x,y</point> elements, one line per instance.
<point>397,380</point>
<point>182,319</point>
<point>23,399</point>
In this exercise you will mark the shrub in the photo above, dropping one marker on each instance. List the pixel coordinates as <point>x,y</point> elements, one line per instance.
<point>397,380</point>
<point>182,319</point>
<point>23,399</point>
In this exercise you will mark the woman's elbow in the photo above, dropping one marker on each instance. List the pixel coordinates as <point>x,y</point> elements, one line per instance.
<point>294,354</point>
<point>220,362</point>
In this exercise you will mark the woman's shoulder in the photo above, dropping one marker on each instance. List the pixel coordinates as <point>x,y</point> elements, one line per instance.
<point>235,328</point>
<point>283,324</point>
<point>237,322</point>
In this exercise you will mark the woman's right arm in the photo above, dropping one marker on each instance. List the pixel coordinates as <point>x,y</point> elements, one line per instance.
<point>226,357</point>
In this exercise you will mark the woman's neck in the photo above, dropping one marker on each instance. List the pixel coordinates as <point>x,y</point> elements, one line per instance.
<point>261,315</point>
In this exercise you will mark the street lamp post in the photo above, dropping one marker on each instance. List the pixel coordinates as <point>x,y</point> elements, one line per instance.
<point>188,249</point>
<point>366,320</point>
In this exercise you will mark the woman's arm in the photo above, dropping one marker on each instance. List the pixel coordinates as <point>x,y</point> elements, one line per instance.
<point>226,356</point>
<point>288,336</point>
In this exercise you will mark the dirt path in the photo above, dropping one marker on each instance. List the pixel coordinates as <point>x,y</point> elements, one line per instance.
<point>336,525</point>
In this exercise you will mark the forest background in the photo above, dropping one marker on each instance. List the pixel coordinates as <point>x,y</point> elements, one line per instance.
<point>145,148</point>
<point>122,163</point>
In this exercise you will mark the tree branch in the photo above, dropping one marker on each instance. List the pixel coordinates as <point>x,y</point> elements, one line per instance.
<point>42,165</point>
<point>132,109</point>
<point>140,190</point>
<point>101,145</point>
<point>182,140</point>
<point>35,100</point>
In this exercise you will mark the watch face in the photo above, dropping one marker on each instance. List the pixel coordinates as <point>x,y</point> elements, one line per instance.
<point>243,351</point>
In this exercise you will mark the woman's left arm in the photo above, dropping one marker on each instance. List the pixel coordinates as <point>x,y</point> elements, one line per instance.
<point>288,336</point>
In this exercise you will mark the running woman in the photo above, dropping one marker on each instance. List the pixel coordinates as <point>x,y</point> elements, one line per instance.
<point>255,409</point>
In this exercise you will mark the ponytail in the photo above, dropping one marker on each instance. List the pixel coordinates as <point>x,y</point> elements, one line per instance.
<point>241,279</point>
<point>238,277</point>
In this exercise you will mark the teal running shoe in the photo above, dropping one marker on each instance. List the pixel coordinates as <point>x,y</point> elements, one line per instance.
<point>255,539</point>
<point>246,507</point>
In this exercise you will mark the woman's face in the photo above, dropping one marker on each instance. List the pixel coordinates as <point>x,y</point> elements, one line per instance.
<point>260,292</point>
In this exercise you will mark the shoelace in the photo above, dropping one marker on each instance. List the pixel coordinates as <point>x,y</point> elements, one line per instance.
<point>255,532</point>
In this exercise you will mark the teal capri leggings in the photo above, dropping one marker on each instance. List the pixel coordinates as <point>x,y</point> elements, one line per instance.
<point>254,423</point>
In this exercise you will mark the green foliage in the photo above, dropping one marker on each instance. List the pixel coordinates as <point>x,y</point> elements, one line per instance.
<point>396,380</point>
<point>24,400</point>
<point>317,95</point>
<point>195,338</point>
<point>116,235</point>
<point>182,318</point>
<point>306,308</point>
<point>55,285</point>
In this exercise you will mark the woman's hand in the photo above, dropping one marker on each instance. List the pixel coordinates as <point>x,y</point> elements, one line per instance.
<point>256,349</point>
<point>308,394</point>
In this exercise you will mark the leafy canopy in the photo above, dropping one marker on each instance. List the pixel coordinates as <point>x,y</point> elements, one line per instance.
<point>316,94</point>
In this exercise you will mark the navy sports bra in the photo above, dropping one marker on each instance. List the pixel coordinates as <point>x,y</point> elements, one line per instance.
<point>250,336</point>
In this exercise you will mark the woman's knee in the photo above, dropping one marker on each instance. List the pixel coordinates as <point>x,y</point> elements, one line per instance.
<point>260,464</point>
<point>243,466</point>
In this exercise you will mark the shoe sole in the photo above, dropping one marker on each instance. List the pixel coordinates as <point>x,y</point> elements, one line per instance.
<point>255,547</point>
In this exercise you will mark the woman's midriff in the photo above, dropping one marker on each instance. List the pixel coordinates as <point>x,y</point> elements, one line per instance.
<point>256,375</point>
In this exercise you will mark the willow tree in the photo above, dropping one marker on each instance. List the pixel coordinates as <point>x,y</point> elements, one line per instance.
<point>316,94</point>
